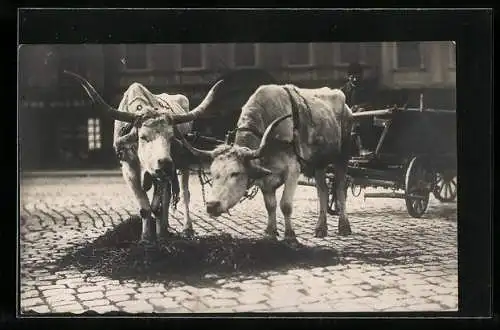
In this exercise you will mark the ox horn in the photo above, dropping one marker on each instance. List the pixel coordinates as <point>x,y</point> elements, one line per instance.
<point>98,100</point>
<point>263,143</point>
<point>196,112</point>
<point>197,152</point>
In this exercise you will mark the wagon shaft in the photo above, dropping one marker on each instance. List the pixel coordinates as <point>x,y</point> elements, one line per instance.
<point>375,183</point>
<point>310,183</point>
<point>392,195</point>
<point>372,113</point>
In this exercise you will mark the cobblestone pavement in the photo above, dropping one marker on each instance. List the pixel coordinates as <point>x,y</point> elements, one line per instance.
<point>391,262</point>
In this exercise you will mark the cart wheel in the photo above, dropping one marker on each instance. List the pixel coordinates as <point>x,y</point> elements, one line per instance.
<point>418,183</point>
<point>445,188</point>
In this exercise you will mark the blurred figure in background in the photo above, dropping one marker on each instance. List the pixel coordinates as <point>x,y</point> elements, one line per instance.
<point>356,99</point>
<point>354,77</point>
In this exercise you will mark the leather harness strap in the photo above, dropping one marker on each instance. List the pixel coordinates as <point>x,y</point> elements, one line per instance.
<point>249,129</point>
<point>231,135</point>
<point>296,124</point>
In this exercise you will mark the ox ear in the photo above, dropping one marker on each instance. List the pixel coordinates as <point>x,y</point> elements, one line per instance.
<point>258,172</point>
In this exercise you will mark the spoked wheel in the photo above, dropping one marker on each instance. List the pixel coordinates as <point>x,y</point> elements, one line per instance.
<point>418,183</point>
<point>445,188</point>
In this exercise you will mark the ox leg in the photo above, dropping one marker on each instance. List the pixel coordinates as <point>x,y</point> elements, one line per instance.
<point>133,180</point>
<point>287,202</point>
<point>186,196</point>
<point>322,191</point>
<point>270,202</point>
<point>340,183</point>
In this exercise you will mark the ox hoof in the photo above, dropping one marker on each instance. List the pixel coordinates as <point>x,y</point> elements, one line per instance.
<point>321,232</point>
<point>165,235</point>
<point>147,243</point>
<point>289,234</point>
<point>270,237</point>
<point>166,232</point>
<point>148,236</point>
<point>188,232</point>
<point>344,226</point>
<point>271,233</point>
<point>345,230</point>
<point>292,242</point>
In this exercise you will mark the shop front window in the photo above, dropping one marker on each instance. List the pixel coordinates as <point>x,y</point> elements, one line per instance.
<point>94,134</point>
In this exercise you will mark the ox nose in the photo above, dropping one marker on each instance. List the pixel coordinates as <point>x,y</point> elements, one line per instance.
<point>213,208</point>
<point>165,165</point>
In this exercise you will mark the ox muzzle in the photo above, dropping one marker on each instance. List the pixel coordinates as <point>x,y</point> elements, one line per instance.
<point>165,170</point>
<point>214,208</point>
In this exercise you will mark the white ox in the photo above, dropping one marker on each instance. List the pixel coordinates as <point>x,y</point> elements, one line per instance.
<point>145,125</point>
<point>280,127</point>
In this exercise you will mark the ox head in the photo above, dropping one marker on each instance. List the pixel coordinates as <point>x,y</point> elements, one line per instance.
<point>233,170</point>
<point>150,125</point>
<point>153,131</point>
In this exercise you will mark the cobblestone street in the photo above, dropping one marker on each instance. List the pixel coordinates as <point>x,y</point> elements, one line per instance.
<point>391,262</point>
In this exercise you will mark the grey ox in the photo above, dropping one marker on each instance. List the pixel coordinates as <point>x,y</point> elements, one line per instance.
<point>282,131</point>
<point>145,125</point>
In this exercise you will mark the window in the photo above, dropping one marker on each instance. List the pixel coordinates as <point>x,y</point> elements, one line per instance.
<point>192,56</point>
<point>298,54</point>
<point>136,57</point>
<point>94,133</point>
<point>244,55</point>
<point>408,55</point>
<point>350,52</point>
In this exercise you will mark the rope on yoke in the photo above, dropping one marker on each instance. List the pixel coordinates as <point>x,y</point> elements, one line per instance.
<point>204,179</point>
<point>250,193</point>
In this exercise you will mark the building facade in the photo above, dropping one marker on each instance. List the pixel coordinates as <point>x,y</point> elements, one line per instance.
<point>411,68</point>
<point>59,129</point>
<point>55,116</point>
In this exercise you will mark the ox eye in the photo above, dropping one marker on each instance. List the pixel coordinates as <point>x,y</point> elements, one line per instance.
<point>139,107</point>
<point>143,137</point>
<point>235,174</point>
